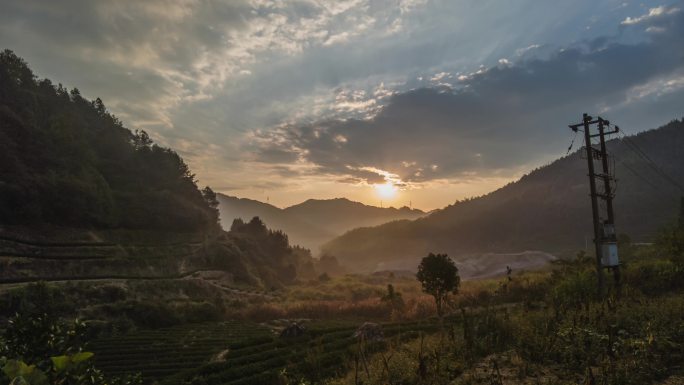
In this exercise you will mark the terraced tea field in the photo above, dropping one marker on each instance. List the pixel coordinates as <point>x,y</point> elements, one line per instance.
<point>320,353</point>
<point>159,353</point>
<point>236,352</point>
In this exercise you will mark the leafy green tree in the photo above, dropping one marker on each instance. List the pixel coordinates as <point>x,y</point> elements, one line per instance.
<point>439,277</point>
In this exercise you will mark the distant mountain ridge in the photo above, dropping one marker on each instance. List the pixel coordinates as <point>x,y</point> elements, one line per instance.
<point>314,221</point>
<point>547,209</point>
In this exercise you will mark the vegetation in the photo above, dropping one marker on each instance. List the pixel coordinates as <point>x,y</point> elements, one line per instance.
<point>549,328</point>
<point>160,353</point>
<point>544,327</point>
<point>439,276</point>
<point>325,350</point>
<point>207,307</point>
<point>67,161</point>
<point>36,348</point>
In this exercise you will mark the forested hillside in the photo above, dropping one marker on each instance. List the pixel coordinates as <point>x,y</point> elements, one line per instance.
<point>83,198</point>
<point>67,161</point>
<point>548,209</point>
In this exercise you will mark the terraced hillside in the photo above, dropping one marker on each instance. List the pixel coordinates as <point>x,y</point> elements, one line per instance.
<point>252,255</point>
<point>157,354</point>
<point>325,350</point>
<point>235,352</point>
<point>27,261</point>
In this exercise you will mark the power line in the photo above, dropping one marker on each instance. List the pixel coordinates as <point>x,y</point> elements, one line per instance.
<point>635,173</point>
<point>634,147</point>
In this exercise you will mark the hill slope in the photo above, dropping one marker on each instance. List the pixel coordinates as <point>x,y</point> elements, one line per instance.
<point>548,210</point>
<point>340,215</point>
<point>312,222</point>
<point>66,161</point>
<point>82,197</point>
<point>299,231</point>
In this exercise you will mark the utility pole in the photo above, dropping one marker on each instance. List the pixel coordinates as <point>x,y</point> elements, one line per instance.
<point>605,240</point>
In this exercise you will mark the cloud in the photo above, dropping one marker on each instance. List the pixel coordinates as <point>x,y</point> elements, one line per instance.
<point>500,119</point>
<point>652,14</point>
<point>252,90</point>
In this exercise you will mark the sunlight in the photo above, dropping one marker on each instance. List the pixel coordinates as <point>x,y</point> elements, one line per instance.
<point>386,190</point>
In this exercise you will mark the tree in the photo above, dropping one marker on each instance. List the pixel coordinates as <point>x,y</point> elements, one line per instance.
<point>393,299</point>
<point>210,197</point>
<point>439,277</point>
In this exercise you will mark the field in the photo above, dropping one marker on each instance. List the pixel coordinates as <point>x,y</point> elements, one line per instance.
<point>235,352</point>
<point>162,352</point>
<point>245,352</point>
<point>526,328</point>
<point>323,351</point>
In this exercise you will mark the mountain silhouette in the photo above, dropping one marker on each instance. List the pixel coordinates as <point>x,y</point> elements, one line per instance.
<point>315,221</point>
<point>547,210</point>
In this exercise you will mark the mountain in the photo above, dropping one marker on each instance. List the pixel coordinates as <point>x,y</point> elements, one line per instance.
<point>298,229</point>
<point>312,222</point>
<point>340,215</point>
<point>547,209</point>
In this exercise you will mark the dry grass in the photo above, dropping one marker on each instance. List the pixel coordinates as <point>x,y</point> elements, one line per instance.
<point>358,297</point>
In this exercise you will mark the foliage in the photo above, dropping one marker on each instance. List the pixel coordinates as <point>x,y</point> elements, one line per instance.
<point>164,352</point>
<point>270,248</point>
<point>37,349</point>
<point>670,240</point>
<point>394,301</point>
<point>67,161</point>
<point>577,339</point>
<point>439,277</point>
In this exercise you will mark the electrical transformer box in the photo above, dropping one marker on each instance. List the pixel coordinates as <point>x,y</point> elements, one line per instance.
<point>609,254</point>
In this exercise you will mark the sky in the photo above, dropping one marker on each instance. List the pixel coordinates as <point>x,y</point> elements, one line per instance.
<point>401,102</point>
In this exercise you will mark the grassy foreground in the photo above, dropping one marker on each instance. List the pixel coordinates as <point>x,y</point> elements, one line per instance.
<point>530,328</point>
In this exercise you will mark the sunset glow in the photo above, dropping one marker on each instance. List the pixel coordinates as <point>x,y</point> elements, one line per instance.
<point>386,190</point>
<point>288,100</point>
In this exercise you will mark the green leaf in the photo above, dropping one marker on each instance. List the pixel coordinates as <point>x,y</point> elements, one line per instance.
<point>16,368</point>
<point>82,356</point>
<point>61,362</point>
<point>36,377</point>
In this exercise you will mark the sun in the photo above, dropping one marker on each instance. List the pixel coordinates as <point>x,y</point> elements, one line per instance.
<point>386,190</point>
